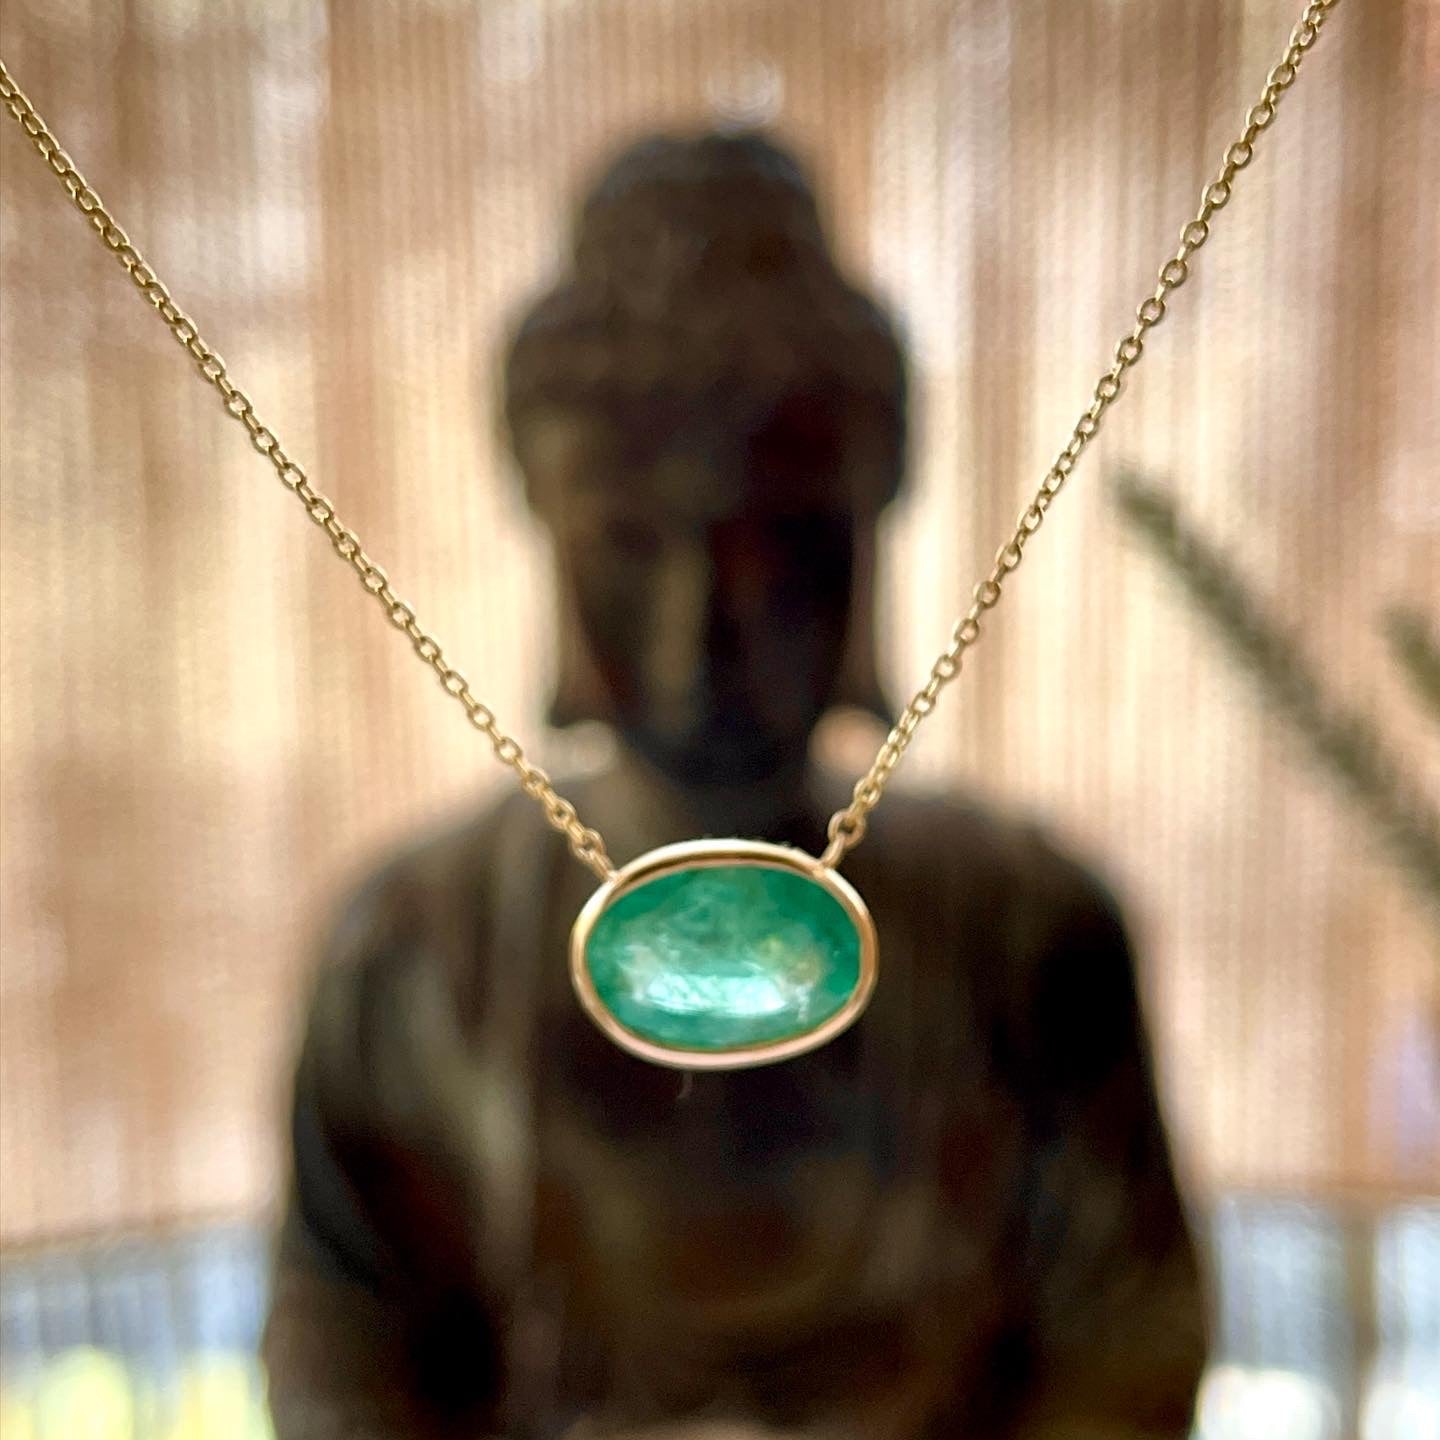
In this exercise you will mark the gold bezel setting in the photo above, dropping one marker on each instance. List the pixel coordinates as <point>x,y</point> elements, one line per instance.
<point>704,854</point>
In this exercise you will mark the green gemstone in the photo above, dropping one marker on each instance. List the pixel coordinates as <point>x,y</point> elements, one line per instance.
<point>723,957</point>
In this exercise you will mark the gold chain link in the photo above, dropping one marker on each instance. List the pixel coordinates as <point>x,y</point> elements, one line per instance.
<point>847,826</point>
<point>586,843</point>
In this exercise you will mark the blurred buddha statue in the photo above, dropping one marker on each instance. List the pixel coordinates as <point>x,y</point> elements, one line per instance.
<point>960,1218</point>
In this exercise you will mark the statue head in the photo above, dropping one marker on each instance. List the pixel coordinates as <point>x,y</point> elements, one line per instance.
<point>709,419</point>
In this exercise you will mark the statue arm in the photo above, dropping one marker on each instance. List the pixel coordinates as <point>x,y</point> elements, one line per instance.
<point>331,1357</point>
<point>378,1329</point>
<point>1114,1331</point>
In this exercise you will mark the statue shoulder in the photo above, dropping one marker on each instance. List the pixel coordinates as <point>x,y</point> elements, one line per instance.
<point>1054,965</point>
<point>1004,860</point>
<point>401,939</point>
<point>419,885</point>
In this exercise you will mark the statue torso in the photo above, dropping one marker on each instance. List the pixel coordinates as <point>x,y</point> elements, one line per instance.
<point>842,1237</point>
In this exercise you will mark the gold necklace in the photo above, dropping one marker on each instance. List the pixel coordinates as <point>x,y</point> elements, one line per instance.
<point>711,954</point>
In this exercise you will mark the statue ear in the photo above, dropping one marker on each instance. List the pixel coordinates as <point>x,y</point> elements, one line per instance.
<point>859,685</point>
<point>579,694</point>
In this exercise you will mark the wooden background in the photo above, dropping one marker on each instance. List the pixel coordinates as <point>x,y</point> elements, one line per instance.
<point>206,732</point>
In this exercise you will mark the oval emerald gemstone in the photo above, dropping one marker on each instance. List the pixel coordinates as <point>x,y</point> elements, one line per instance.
<point>722,957</point>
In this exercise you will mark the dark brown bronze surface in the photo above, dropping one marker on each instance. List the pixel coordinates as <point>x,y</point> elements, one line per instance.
<point>960,1218</point>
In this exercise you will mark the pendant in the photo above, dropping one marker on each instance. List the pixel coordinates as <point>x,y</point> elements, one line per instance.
<point>723,954</point>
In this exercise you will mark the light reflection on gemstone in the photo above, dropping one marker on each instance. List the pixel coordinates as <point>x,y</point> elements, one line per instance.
<point>740,995</point>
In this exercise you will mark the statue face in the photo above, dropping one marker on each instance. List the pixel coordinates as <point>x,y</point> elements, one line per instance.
<point>709,418</point>
<point>714,606</point>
